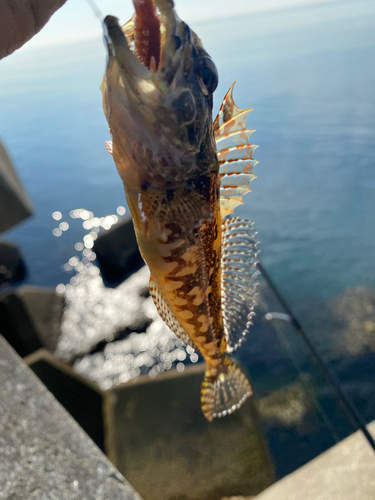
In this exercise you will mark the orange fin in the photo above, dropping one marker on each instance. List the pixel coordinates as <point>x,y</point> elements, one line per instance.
<point>234,153</point>
<point>225,393</point>
<point>167,316</point>
<point>239,278</point>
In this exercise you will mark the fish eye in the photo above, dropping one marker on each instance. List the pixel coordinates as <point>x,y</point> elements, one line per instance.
<point>208,77</point>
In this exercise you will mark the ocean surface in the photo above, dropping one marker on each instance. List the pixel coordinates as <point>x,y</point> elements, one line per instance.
<point>309,74</point>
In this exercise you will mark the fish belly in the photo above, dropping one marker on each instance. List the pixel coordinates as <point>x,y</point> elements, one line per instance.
<point>184,264</point>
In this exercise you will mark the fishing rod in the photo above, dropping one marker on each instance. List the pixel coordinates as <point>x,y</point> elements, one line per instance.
<point>328,374</point>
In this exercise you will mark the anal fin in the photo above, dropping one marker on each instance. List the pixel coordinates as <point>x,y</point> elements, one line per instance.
<point>167,316</point>
<point>239,278</point>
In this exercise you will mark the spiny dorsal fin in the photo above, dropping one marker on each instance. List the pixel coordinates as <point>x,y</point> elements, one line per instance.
<point>234,153</point>
<point>167,316</point>
<point>239,278</point>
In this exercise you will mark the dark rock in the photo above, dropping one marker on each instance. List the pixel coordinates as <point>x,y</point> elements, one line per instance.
<point>353,317</point>
<point>14,203</point>
<point>12,267</point>
<point>80,397</point>
<point>157,434</point>
<point>44,454</point>
<point>117,252</point>
<point>285,407</point>
<point>31,318</point>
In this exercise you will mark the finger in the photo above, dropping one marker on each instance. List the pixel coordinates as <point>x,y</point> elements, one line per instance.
<point>22,19</point>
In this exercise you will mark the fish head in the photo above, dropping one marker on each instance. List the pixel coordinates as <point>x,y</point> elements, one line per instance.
<point>157,97</point>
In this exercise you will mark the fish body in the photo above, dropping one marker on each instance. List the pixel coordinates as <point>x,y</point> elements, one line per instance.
<point>183,174</point>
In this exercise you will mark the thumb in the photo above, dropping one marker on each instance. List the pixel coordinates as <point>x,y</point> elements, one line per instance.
<point>20,20</point>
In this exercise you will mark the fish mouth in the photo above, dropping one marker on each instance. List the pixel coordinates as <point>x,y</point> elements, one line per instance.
<point>146,45</point>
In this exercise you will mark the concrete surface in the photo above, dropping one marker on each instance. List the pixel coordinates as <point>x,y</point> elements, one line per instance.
<point>158,437</point>
<point>79,396</point>
<point>44,454</point>
<point>344,472</point>
<point>14,203</point>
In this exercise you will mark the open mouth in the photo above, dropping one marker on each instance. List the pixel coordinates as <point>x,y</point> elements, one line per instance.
<point>147,38</point>
<point>146,35</point>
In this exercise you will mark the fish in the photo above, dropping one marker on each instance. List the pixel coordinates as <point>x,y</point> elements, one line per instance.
<point>183,175</point>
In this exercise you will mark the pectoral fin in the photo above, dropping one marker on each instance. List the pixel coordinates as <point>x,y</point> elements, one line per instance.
<point>109,147</point>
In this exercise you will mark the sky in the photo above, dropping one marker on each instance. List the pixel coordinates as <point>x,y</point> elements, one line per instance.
<point>76,20</point>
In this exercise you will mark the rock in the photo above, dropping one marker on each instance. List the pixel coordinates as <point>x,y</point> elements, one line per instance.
<point>14,203</point>
<point>158,436</point>
<point>44,454</point>
<point>285,407</point>
<point>81,398</point>
<point>117,252</point>
<point>345,472</point>
<point>31,318</point>
<point>353,317</point>
<point>12,267</point>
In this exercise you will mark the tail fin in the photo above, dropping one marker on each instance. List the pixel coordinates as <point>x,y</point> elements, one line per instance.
<point>224,393</point>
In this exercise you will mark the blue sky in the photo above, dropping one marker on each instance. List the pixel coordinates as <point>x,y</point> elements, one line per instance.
<point>75,21</point>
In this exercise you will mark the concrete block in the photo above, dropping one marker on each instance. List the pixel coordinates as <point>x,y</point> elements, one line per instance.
<point>31,318</point>
<point>44,454</point>
<point>345,472</point>
<point>12,266</point>
<point>158,436</point>
<point>14,203</point>
<point>80,397</point>
<point>117,252</point>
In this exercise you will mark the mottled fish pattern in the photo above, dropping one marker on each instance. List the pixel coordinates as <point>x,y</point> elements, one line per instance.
<point>181,192</point>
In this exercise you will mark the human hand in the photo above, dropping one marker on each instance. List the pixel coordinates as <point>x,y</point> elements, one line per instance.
<point>20,20</point>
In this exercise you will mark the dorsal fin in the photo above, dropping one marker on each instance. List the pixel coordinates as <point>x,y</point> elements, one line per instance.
<point>234,153</point>
<point>239,278</point>
<point>167,316</point>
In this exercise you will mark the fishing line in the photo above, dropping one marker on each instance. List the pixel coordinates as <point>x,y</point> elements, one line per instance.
<point>328,374</point>
<point>98,13</point>
<point>304,381</point>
